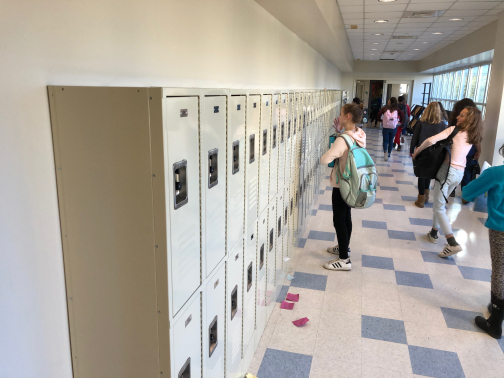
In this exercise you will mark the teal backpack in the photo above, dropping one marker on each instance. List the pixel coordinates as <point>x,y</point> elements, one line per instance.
<point>359,179</point>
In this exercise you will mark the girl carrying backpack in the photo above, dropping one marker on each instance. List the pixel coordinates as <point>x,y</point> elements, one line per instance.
<point>430,124</point>
<point>469,124</point>
<point>350,115</point>
<point>391,115</point>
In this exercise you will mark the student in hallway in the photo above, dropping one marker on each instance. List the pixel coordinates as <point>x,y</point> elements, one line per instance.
<point>375,108</point>
<point>430,124</point>
<point>399,139</point>
<point>469,124</point>
<point>491,181</point>
<point>351,115</point>
<point>392,116</point>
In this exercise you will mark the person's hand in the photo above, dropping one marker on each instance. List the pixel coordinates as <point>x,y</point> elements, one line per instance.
<point>477,155</point>
<point>336,124</point>
<point>410,155</point>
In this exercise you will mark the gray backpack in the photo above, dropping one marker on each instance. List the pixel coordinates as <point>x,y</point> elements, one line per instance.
<point>358,180</point>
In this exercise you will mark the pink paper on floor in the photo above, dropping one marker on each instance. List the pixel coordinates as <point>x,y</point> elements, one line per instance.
<point>287,305</point>
<point>292,297</point>
<point>300,322</point>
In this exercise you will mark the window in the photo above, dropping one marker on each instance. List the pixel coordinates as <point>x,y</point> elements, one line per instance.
<point>449,87</point>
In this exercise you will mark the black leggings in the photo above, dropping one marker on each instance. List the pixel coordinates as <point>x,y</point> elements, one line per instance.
<point>342,220</point>
<point>422,185</point>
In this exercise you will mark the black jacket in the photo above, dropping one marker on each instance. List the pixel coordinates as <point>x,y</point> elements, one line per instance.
<point>423,131</point>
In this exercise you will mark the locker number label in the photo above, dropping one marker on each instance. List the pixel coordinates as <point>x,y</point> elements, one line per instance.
<point>183,112</point>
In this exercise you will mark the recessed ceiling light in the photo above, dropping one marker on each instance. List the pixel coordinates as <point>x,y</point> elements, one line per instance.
<point>437,33</point>
<point>425,42</point>
<point>375,43</point>
<point>416,49</point>
<point>378,34</point>
<point>380,21</point>
<point>371,54</point>
<point>386,1</point>
<point>456,19</point>
<point>374,49</point>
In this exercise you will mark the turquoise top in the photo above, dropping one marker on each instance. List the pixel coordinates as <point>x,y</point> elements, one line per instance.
<point>491,181</point>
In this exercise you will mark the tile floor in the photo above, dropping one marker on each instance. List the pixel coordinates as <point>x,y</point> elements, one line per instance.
<point>402,311</point>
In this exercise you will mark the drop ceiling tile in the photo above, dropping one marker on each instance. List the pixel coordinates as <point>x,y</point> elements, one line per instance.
<point>487,18</point>
<point>427,1</point>
<point>430,6</point>
<point>392,22</point>
<point>426,21</point>
<point>464,13</point>
<point>353,16</point>
<point>354,21</point>
<point>351,9</point>
<point>383,15</point>
<point>384,7</point>
<point>455,24</point>
<point>350,2</point>
<point>500,6</point>
<point>474,5</point>
<point>465,19</point>
<point>493,12</point>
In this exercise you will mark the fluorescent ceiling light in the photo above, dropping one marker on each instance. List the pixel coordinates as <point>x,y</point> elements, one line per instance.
<point>378,34</point>
<point>456,19</point>
<point>425,42</point>
<point>437,33</point>
<point>386,1</point>
<point>374,49</point>
<point>380,21</point>
<point>416,49</point>
<point>375,43</point>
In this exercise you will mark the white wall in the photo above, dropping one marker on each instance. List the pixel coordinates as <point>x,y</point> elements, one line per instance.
<point>189,43</point>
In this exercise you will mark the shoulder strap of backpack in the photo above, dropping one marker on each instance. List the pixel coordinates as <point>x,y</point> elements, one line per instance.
<point>448,150</point>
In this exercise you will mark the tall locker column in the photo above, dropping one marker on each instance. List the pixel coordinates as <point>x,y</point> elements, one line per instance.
<point>274,147</point>
<point>279,275</point>
<point>252,159</point>
<point>264,152</point>
<point>235,170</point>
<point>249,292</point>
<point>283,141</point>
<point>285,232</point>
<point>213,173</point>
<point>261,264</point>
<point>270,265</point>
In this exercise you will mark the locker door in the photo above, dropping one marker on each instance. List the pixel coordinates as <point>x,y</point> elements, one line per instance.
<point>261,269</point>
<point>186,346</point>
<point>181,124</point>
<point>249,285</point>
<point>274,147</point>
<point>288,152</point>
<point>279,276</point>
<point>213,326</point>
<point>213,170</point>
<point>283,141</point>
<point>234,311</point>
<point>264,158</point>
<point>236,171</point>
<point>285,233</point>
<point>271,250</point>
<point>252,159</point>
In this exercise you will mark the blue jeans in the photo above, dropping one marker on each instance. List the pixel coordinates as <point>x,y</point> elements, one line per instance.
<point>388,139</point>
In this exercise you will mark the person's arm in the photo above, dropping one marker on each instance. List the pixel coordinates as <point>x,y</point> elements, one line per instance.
<point>408,109</point>
<point>433,140</point>
<point>402,117</point>
<point>337,150</point>
<point>379,116</point>
<point>478,151</point>
<point>479,186</point>
<point>415,138</point>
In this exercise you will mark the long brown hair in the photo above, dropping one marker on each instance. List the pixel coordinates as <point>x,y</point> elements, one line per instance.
<point>457,108</point>
<point>473,125</point>
<point>432,114</point>
<point>354,110</point>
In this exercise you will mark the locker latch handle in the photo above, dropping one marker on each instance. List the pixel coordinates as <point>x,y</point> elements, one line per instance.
<point>272,232</point>
<point>273,142</point>
<point>279,226</point>
<point>261,257</point>
<point>249,277</point>
<point>213,167</point>
<point>180,197</point>
<point>234,302</point>
<point>252,149</point>
<point>265,142</point>
<point>236,157</point>
<point>185,372</point>
<point>212,337</point>
<point>282,132</point>
<point>286,214</point>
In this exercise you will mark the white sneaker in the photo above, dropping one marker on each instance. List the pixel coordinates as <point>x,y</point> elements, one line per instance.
<point>385,156</point>
<point>338,264</point>
<point>449,250</point>
<point>432,239</point>
<point>335,250</point>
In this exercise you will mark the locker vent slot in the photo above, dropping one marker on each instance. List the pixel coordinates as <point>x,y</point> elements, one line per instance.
<point>236,157</point>
<point>234,302</point>
<point>274,137</point>
<point>271,239</point>
<point>261,257</point>
<point>185,372</point>
<point>279,226</point>
<point>249,276</point>
<point>213,167</point>
<point>212,337</point>
<point>265,142</point>
<point>252,149</point>
<point>282,132</point>
<point>180,184</point>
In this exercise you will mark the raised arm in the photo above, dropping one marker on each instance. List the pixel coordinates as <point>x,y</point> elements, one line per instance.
<point>434,139</point>
<point>479,186</point>
<point>337,150</point>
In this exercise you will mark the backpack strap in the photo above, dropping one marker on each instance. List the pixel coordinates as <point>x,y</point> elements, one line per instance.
<point>350,144</point>
<point>450,141</point>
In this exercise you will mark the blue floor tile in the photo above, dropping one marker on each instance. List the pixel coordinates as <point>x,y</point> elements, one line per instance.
<point>409,198</point>
<point>328,177</point>
<point>421,222</point>
<point>309,281</point>
<point>433,257</point>
<point>394,207</point>
<point>314,212</point>
<point>385,175</point>
<point>283,293</point>
<point>411,174</point>
<point>390,188</point>
<point>401,235</point>
<point>321,235</point>
<point>428,205</point>
<point>329,188</point>
<point>378,201</point>
<point>460,319</point>
<point>325,207</point>
<point>413,279</point>
<point>404,182</point>
<point>383,329</point>
<point>480,204</point>
<point>482,220</point>
<point>280,364</point>
<point>399,170</point>
<point>377,262</point>
<point>301,242</point>
<point>322,191</point>
<point>435,363</point>
<point>476,274</point>
<point>374,224</point>
<point>382,165</point>
<point>408,164</point>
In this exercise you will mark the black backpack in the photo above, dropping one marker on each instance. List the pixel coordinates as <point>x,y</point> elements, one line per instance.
<point>402,108</point>
<point>375,104</point>
<point>429,161</point>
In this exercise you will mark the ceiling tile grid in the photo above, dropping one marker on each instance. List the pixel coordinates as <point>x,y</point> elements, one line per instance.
<point>404,38</point>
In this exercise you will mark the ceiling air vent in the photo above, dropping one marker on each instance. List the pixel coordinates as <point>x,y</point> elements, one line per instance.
<point>404,37</point>
<point>423,14</point>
